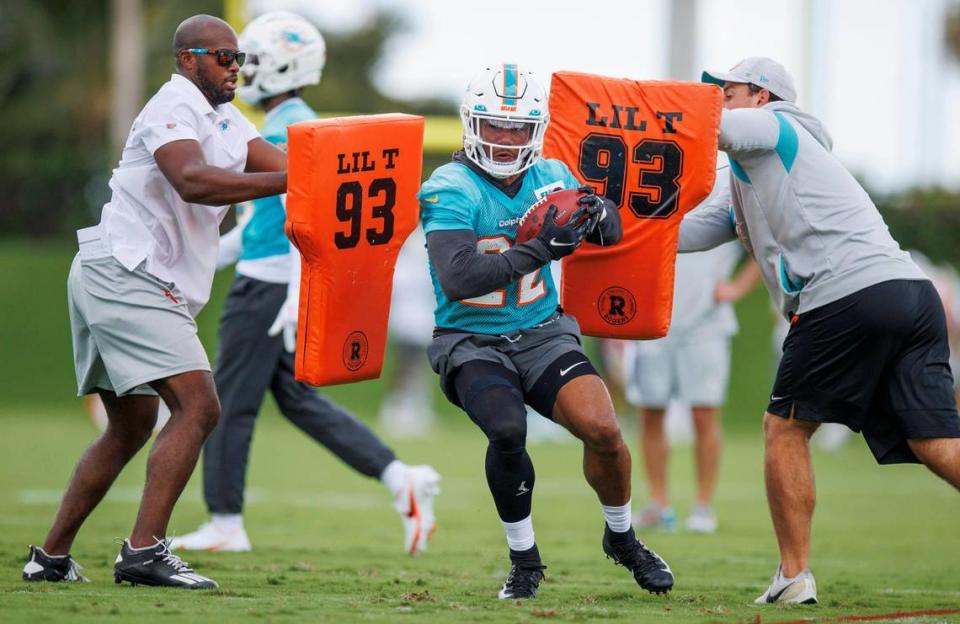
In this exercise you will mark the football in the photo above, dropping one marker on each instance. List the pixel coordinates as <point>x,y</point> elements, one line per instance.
<point>532,219</point>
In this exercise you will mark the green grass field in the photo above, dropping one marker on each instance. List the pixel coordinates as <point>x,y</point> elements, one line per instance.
<point>328,544</point>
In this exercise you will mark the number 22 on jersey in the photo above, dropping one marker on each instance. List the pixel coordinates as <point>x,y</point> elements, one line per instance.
<point>531,286</point>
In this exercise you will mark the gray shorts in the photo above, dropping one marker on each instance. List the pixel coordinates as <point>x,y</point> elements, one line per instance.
<point>129,328</point>
<point>528,353</point>
<point>693,371</point>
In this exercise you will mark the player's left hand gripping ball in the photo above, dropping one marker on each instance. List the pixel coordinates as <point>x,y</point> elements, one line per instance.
<point>568,211</point>
<point>593,205</point>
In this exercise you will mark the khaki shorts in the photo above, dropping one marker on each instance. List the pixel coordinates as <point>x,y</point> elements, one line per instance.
<point>693,371</point>
<point>129,328</point>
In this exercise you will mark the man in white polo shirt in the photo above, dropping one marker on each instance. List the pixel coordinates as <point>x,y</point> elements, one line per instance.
<point>141,277</point>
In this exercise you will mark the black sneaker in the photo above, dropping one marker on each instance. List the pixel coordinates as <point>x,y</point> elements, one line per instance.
<point>650,571</point>
<point>157,566</point>
<point>522,582</point>
<point>42,567</point>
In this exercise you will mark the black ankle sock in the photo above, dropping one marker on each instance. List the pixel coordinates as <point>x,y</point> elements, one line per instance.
<point>621,539</point>
<point>529,558</point>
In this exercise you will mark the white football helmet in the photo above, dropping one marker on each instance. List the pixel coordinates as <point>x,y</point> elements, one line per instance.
<point>284,52</point>
<point>506,97</point>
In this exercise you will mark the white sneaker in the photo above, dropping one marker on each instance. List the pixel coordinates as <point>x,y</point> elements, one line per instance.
<point>213,536</point>
<point>801,589</point>
<point>656,517</point>
<point>415,504</point>
<point>403,421</point>
<point>701,520</point>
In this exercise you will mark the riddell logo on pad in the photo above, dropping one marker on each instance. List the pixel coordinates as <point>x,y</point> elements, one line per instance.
<point>355,351</point>
<point>617,305</point>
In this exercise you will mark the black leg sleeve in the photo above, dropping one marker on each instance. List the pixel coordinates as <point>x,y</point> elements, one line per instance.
<point>492,398</point>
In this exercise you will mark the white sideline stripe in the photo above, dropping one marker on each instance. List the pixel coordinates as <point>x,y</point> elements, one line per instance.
<point>184,578</point>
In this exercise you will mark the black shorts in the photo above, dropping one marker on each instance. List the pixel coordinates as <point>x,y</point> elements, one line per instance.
<point>877,361</point>
<point>544,359</point>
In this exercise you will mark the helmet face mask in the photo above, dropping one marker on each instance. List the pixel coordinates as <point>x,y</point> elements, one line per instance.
<point>285,52</point>
<point>500,102</point>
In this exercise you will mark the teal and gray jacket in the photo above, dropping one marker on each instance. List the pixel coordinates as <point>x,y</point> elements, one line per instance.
<point>813,230</point>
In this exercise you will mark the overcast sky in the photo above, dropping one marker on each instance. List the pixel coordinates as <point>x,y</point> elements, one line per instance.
<point>875,71</point>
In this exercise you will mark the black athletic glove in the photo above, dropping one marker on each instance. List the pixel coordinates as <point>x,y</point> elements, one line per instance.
<point>562,240</point>
<point>593,206</point>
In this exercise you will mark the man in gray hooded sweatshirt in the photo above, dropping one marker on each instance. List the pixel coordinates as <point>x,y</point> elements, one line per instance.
<point>867,345</point>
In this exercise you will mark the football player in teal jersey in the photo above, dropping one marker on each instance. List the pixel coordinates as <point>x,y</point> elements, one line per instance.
<point>501,339</point>
<point>285,54</point>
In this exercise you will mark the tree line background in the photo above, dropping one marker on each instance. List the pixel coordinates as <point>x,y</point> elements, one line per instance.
<point>54,113</point>
<point>54,100</point>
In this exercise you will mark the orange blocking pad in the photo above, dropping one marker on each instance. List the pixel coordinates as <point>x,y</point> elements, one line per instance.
<point>650,147</point>
<point>351,203</point>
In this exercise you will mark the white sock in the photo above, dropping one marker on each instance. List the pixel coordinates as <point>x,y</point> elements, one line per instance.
<point>520,534</point>
<point>786,580</point>
<point>132,547</point>
<point>231,522</point>
<point>618,518</point>
<point>394,477</point>
<point>49,556</point>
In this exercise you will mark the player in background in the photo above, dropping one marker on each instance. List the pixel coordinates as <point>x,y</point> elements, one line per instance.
<point>406,410</point>
<point>501,340</point>
<point>139,280</point>
<point>867,345</point>
<point>691,364</point>
<point>259,320</point>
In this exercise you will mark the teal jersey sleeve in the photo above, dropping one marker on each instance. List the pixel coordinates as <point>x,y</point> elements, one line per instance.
<point>560,169</point>
<point>448,200</point>
<point>263,235</point>
<point>290,112</point>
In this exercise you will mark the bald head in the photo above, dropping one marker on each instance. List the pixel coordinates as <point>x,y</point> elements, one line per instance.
<point>201,31</point>
<point>199,44</point>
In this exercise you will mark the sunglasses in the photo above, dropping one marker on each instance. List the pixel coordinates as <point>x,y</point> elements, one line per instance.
<point>225,57</point>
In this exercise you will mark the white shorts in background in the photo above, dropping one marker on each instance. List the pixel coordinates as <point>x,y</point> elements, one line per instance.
<point>411,307</point>
<point>129,327</point>
<point>693,371</point>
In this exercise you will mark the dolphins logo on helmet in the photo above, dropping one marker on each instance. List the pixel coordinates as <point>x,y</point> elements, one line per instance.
<point>284,52</point>
<point>503,96</point>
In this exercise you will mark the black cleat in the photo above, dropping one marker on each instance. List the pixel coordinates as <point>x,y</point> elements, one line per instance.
<point>157,566</point>
<point>650,571</point>
<point>42,567</point>
<point>522,582</point>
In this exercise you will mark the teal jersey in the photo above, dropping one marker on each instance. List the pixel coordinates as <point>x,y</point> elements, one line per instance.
<point>263,235</point>
<point>457,198</point>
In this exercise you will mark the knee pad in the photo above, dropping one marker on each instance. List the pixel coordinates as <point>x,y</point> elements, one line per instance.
<point>496,405</point>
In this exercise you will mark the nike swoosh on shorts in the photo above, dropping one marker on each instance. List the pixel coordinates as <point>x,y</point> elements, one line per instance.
<point>564,371</point>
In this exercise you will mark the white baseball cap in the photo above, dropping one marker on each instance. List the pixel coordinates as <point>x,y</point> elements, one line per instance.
<point>760,71</point>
